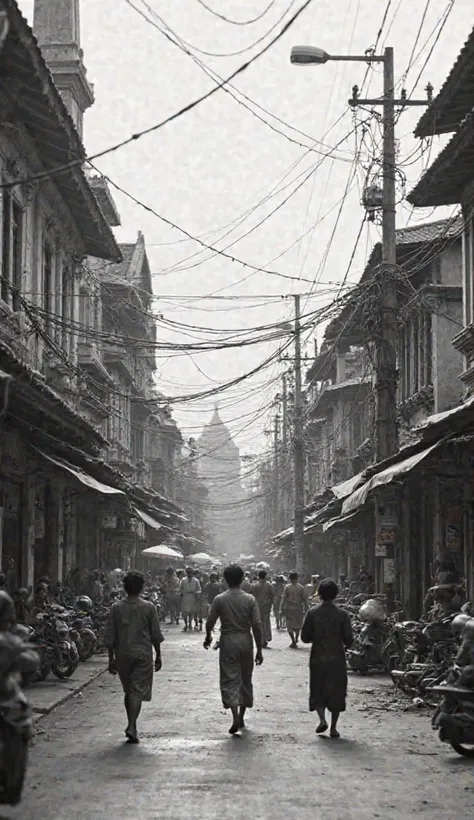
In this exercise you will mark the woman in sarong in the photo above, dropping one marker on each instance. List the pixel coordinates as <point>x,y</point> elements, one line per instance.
<point>293,607</point>
<point>239,616</point>
<point>329,630</point>
<point>264,594</point>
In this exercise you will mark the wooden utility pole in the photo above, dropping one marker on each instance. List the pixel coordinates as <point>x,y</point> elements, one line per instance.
<point>298,448</point>
<point>385,340</point>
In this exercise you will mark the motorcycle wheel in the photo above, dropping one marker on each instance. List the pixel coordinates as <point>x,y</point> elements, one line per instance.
<point>465,751</point>
<point>87,645</point>
<point>13,768</point>
<point>64,669</point>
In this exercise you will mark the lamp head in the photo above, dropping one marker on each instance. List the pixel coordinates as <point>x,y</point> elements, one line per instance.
<point>308,55</point>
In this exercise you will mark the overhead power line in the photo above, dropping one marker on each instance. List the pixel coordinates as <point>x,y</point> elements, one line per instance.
<point>52,172</point>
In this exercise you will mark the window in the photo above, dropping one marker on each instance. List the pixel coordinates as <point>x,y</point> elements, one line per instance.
<point>48,290</point>
<point>12,250</point>
<point>66,307</point>
<point>415,354</point>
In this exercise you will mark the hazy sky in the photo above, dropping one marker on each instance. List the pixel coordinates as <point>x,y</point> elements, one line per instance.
<point>210,171</point>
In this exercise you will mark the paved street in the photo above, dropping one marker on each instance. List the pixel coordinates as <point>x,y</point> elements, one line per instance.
<point>388,763</point>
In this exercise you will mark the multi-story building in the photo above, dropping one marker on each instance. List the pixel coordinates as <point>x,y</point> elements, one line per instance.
<point>341,402</point>
<point>53,432</point>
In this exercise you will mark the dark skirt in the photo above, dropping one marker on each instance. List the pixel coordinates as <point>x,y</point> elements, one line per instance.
<point>327,685</point>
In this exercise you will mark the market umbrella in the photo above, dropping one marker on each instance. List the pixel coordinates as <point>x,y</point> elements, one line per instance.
<point>162,551</point>
<point>201,558</point>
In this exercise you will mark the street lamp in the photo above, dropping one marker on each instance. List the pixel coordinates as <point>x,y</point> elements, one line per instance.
<point>385,343</point>
<point>312,55</point>
<point>386,438</point>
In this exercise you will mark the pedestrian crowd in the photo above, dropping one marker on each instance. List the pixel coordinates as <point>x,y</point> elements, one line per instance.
<point>243,606</point>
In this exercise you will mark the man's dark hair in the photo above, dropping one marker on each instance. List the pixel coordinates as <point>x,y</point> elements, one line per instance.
<point>328,590</point>
<point>262,573</point>
<point>293,576</point>
<point>134,582</point>
<point>234,575</point>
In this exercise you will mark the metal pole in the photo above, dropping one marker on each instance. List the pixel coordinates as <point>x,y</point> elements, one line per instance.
<point>298,448</point>
<point>386,435</point>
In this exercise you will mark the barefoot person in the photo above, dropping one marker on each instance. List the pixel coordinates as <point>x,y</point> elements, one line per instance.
<point>329,630</point>
<point>239,616</point>
<point>133,631</point>
<point>293,606</point>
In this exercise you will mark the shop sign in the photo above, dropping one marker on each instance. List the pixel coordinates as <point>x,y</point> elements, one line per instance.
<point>380,550</point>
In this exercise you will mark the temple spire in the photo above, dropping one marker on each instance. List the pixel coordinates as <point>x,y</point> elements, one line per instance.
<point>56,25</point>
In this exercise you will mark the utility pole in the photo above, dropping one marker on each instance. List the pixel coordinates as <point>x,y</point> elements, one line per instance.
<point>284,401</point>
<point>298,451</point>
<point>276,473</point>
<point>385,341</point>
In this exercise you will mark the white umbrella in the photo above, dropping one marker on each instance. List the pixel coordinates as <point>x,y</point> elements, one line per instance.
<point>201,558</point>
<point>263,565</point>
<point>162,551</point>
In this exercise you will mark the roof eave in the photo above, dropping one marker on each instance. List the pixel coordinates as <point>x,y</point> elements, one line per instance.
<point>444,114</point>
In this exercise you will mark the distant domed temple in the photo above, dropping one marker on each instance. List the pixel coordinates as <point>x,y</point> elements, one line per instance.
<point>219,467</point>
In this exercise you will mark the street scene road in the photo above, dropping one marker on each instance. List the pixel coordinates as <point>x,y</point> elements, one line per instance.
<point>388,763</point>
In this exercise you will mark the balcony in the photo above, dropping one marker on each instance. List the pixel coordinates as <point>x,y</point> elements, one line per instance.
<point>16,333</point>
<point>116,356</point>
<point>119,458</point>
<point>89,356</point>
<point>464,342</point>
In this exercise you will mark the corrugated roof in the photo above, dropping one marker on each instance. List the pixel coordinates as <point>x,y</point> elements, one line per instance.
<point>455,99</point>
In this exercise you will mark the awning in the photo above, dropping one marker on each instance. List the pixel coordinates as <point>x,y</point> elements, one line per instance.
<point>147,518</point>
<point>359,497</point>
<point>81,476</point>
<point>347,487</point>
<point>437,418</point>
<point>342,521</point>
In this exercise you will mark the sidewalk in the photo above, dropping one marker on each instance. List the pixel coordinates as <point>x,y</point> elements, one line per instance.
<point>47,695</point>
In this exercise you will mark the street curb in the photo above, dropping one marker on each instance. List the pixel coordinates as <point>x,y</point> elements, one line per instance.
<point>40,713</point>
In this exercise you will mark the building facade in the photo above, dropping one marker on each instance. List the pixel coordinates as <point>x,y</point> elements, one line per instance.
<point>58,486</point>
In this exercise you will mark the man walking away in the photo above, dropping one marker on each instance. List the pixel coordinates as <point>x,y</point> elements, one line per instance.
<point>172,592</point>
<point>264,595</point>
<point>212,589</point>
<point>239,616</point>
<point>190,591</point>
<point>278,587</point>
<point>293,606</point>
<point>133,630</point>
<point>246,585</point>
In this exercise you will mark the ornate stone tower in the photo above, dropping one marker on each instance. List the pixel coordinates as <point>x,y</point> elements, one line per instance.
<point>219,466</point>
<point>56,26</point>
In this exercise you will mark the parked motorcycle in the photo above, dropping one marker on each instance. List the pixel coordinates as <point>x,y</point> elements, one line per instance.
<point>18,663</point>
<point>426,653</point>
<point>454,717</point>
<point>373,647</point>
<point>58,653</point>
